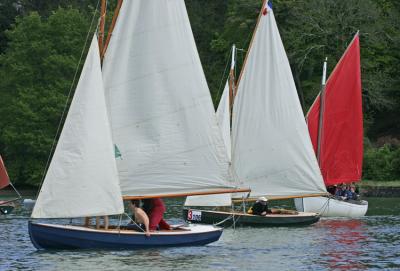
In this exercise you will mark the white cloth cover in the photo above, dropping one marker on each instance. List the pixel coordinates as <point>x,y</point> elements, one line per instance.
<point>82,179</point>
<point>162,117</point>
<point>272,151</point>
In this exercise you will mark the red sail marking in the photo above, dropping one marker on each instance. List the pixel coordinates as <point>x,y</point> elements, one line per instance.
<point>4,179</point>
<point>342,128</point>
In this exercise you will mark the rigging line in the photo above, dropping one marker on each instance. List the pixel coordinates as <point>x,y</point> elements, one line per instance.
<point>223,76</point>
<point>16,191</point>
<point>68,98</point>
<point>134,222</point>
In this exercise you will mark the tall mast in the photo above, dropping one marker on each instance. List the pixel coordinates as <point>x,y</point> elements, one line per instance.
<point>232,80</point>
<point>265,2</point>
<point>102,24</point>
<point>321,111</point>
<point>111,29</point>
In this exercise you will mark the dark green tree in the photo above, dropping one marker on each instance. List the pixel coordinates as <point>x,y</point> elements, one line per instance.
<point>37,70</point>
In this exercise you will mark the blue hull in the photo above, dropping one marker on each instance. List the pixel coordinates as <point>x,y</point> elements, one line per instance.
<point>47,236</point>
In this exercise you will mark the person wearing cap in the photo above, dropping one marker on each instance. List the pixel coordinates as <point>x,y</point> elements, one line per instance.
<point>260,207</point>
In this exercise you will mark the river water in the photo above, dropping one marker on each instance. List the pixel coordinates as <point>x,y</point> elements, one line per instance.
<point>369,243</point>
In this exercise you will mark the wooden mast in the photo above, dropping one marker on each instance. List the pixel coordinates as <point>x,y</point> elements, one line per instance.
<point>321,112</point>
<point>111,29</point>
<point>250,45</point>
<point>102,24</point>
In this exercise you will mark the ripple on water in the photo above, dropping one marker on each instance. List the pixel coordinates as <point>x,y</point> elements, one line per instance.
<point>343,244</point>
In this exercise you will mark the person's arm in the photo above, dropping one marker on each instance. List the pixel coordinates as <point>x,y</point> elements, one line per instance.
<point>142,217</point>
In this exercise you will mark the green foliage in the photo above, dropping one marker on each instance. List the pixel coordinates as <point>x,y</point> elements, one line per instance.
<point>41,42</point>
<point>382,164</point>
<point>37,70</point>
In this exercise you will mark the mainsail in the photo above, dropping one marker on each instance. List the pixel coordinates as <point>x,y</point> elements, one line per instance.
<point>82,179</point>
<point>271,148</point>
<point>341,142</point>
<point>4,179</point>
<point>162,117</point>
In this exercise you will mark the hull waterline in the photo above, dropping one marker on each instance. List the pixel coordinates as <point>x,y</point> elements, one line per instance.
<point>53,236</point>
<point>242,219</point>
<point>331,207</point>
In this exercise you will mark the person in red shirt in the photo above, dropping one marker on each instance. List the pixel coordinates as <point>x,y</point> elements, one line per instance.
<point>155,209</point>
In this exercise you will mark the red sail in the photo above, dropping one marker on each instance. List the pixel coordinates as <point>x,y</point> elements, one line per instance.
<point>341,150</point>
<point>4,180</point>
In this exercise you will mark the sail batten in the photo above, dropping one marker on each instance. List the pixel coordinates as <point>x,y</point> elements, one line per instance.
<point>161,111</point>
<point>82,178</point>
<point>271,148</point>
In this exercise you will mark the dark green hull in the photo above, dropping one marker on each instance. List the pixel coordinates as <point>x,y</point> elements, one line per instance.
<point>227,219</point>
<point>6,209</point>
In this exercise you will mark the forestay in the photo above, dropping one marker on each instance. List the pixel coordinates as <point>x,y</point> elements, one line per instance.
<point>82,178</point>
<point>162,117</point>
<point>272,151</point>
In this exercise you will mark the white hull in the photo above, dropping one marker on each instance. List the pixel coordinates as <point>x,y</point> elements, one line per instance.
<point>331,207</point>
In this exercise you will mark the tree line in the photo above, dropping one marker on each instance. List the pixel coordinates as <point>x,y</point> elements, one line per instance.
<point>41,43</point>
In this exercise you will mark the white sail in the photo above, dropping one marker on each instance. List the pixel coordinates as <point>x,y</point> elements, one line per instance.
<point>223,116</point>
<point>224,120</point>
<point>163,121</point>
<point>272,151</point>
<point>82,179</point>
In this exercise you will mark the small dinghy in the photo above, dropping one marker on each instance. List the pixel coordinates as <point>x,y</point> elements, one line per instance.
<point>6,206</point>
<point>329,206</point>
<point>140,126</point>
<point>335,124</point>
<point>227,219</point>
<point>269,144</point>
<point>51,236</point>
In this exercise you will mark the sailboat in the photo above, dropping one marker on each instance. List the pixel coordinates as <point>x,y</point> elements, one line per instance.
<point>140,126</point>
<point>6,206</point>
<point>271,149</point>
<point>336,130</point>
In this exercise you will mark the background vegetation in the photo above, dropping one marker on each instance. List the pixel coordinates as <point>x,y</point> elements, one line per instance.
<point>41,44</point>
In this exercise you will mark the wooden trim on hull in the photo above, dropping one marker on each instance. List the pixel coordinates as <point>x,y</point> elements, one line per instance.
<point>243,219</point>
<point>281,197</point>
<point>50,236</point>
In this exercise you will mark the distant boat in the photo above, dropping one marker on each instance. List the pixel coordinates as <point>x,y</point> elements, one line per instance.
<point>6,206</point>
<point>141,126</point>
<point>336,130</point>
<point>271,148</point>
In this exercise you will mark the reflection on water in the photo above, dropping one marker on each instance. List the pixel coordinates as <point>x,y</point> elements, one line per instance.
<point>332,244</point>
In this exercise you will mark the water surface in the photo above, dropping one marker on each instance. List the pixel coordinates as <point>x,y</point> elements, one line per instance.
<point>369,243</point>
